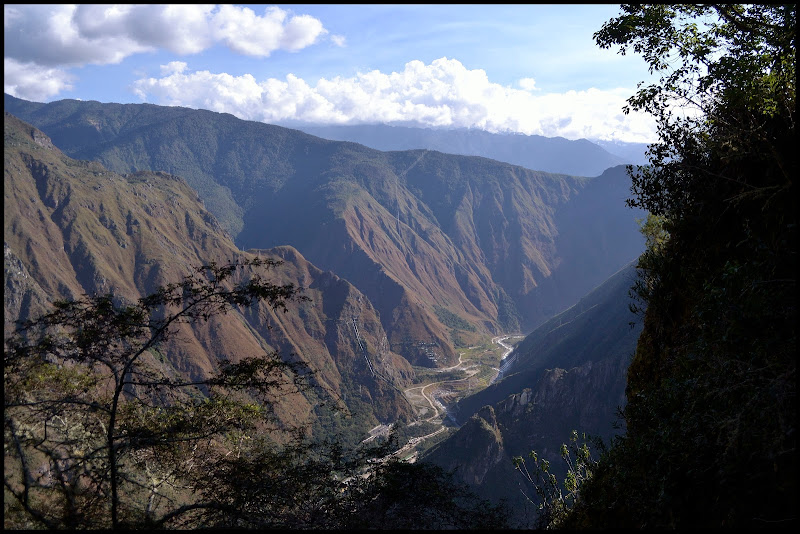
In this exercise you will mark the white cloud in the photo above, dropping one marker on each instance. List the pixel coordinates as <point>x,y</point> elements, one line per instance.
<point>33,82</point>
<point>443,93</point>
<point>61,36</point>
<point>53,38</point>
<point>529,84</point>
<point>69,35</point>
<point>247,33</point>
<point>173,67</point>
<point>339,40</point>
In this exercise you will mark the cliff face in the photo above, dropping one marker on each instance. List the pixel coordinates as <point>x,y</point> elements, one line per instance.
<point>73,227</point>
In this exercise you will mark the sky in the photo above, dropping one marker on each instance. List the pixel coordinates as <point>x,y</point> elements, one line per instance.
<point>527,68</point>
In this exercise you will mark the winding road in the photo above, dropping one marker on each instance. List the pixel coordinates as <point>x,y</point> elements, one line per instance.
<point>440,412</point>
<point>428,391</point>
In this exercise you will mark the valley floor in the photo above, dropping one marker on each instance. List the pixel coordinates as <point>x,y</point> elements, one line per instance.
<point>478,366</point>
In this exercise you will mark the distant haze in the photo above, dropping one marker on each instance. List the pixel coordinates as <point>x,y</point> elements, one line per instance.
<point>550,154</point>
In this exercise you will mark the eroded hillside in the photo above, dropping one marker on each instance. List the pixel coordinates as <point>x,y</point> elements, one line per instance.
<point>73,227</point>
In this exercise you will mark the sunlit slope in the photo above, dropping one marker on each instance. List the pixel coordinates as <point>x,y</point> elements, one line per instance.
<point>73,227</point>
<point>495,244</point>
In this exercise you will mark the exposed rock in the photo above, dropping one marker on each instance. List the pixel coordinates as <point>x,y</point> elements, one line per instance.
<point>73,228</point>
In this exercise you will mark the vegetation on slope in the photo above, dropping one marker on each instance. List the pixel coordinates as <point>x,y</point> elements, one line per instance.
<point>99,434</point>
<point>73,228</point>
<point>711,415</point>
<point>120,408</point>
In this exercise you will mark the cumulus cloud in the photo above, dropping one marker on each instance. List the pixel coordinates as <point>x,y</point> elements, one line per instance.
<point>33,82</point>
<point>173,67</point>
<point>441,94</point>
<point>529,84</point>
<point>63,35</point>
<point>247,33</point>
<point>68,35</point>
<point>57,37</point>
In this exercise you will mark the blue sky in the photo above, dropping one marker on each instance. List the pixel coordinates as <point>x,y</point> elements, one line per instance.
<point>533,69</point>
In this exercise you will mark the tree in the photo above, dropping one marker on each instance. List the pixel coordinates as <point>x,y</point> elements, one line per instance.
<point>98,434</point>
<point>552,502</point>
<point>412,496</point>
<point>724,104</point>
<point>710,416</point>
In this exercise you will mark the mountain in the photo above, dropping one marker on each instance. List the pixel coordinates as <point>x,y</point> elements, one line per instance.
<point>596,328</point>
<point>73,227</point>
<point>422,234</point>
<point>549,154</point>
<point>568,374</point>
<point>633,153</point>
<point>415,238</point>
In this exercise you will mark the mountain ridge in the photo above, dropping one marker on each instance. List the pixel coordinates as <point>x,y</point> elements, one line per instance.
<point>73,227</point>
<point>550,154</point>
<point>412,229</point>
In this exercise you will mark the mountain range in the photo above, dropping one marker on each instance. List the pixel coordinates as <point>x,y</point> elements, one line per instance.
<point>73,227</point>
<point>580,157</point>
<point>407,257</point>
<point>422,234</point>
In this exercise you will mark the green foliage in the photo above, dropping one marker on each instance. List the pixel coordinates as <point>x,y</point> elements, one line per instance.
<point>726,97</point>
<point>653,228</point>
<point>403,433</point>
<point>711,415</point>
<point>408,496</point>
<point>553,502</point>
<point>346,427</point>
<point>97,434</point>
<point>507,314</point>
<point>452,320</point>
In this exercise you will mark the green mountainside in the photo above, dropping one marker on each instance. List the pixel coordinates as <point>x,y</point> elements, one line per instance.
<point>415,231</point>
<point>73,227</point>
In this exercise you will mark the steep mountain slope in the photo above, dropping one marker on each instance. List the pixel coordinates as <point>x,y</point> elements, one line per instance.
<point>569,374</point>
<point>415,231</point>
<point>72,227</point>
<point>598,327</point>
<point>549,154</point>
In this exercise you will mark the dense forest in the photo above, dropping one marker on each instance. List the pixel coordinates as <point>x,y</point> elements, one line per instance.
<point>711,415</point>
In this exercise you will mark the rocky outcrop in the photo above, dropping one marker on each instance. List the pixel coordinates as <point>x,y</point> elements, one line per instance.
<point>475,449</point>
<point>539,418</point>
